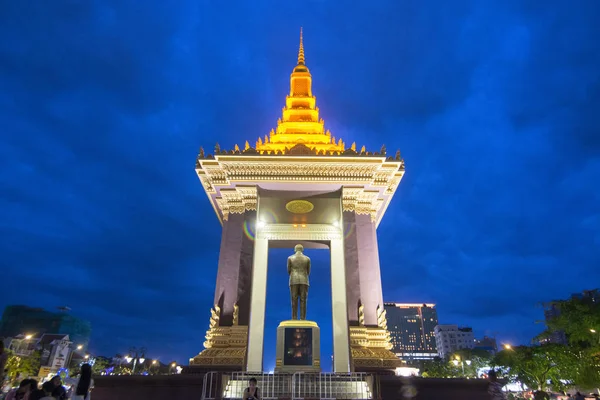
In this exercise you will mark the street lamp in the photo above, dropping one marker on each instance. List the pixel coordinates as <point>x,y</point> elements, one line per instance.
<point>462,364</point>
<point>507,346</point>
<point>595,332</point>
<point>79,347</point>
<point>137,357</point>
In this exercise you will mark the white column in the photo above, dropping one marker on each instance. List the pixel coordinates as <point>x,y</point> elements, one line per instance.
<point>341,339</point>
<point>258,297</point>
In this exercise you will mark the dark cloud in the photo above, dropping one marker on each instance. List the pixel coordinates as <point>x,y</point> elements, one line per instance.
<point>103,106</point>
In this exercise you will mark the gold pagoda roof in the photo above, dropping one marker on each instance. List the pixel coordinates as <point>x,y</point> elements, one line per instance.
<point>300,131</point>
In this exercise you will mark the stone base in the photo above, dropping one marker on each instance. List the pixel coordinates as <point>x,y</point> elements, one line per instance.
<point>298,347</point>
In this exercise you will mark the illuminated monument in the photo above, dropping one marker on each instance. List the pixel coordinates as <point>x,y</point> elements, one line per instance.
<point>298,185</point>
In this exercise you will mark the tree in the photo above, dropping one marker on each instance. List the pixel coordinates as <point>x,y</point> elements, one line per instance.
<point>24,366</point>
<point>579,318</point>
<point>473,359</point>
<point>438,368</point>
<point>541,367</point>
<point>100,365</point>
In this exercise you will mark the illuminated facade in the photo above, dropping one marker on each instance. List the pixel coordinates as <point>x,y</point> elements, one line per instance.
<point>298,184</point>
<point>411,329</point>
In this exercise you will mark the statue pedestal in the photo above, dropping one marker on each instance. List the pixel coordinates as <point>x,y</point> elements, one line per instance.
<point>298,347</point>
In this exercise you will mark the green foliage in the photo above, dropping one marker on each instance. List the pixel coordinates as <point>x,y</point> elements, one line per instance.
<point>461,364</point>
<point>100,365</point>
<point>438,368</point>
<point>24,366</point>
<point>580,320</point>
<point>478,358</point>
<point>535,366</point>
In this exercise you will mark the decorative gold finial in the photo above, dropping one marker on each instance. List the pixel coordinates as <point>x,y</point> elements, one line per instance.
<point>301,50</point>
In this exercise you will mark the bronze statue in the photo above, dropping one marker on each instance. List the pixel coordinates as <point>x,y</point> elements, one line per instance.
<point>298,267</point>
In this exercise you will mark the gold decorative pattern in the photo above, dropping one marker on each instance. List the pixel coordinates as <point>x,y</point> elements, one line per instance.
<point>368,185</point>
<point>371,348</point>
<point>224,345</point>
<point>361,201</point>
<point>301,150</point>
<point>361,315</point>
<point>299,206</point>
<point>236,314</point>
<point>289,232</point>
<point>300,123</point>
<point>382,317</point>
<point>237,200</point>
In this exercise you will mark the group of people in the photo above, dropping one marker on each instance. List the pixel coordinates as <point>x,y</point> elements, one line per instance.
<point>53,389</point>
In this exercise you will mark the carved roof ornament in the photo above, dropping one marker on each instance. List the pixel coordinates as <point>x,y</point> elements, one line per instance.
<point>300,130</point>
<point>299,150</point>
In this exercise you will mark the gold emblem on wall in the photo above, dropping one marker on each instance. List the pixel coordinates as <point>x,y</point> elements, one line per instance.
<point>299,206</point>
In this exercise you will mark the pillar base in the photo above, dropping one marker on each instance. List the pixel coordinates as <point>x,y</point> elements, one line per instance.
<point>225,348</point>
<point>371,350</point>
<point>298,347</point>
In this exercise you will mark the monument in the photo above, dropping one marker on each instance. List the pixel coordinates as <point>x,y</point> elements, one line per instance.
<point>298,267</point>
<point>298,341</point>
<point>298,185</point>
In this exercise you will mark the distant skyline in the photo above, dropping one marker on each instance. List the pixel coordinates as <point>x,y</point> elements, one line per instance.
<point>103,107</point>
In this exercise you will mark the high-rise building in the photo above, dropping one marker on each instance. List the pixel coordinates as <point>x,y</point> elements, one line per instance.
<point>23,320</point>
<point>451,338</point>
<point>411,328</point>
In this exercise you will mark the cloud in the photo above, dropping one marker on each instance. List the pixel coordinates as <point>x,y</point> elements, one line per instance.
<point>103,108</point>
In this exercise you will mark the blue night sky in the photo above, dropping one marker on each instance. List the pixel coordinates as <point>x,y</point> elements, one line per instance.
<point>103,106</point>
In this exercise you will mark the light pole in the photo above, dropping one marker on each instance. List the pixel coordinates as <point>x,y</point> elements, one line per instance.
<point>462,364</point>
<point>138,355</point>
<point>595,332</point>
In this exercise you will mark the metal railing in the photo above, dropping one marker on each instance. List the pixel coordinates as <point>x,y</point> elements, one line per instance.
<point>210,386</point>
<point>270,386</point>
<point>326,386</point>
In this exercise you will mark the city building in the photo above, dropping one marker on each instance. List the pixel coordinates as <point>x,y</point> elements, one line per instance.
<point>55,350</point>
<point>29,321</point>
<point>411,328</point>
<point>488,344</point>
<point>451,338</point>
<point>552,310</point>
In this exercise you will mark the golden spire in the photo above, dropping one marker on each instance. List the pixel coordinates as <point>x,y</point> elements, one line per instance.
<point>301,50</point>
<point>300,122</point>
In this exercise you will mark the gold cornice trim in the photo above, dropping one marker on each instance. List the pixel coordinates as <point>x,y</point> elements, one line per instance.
<point>369,183</point>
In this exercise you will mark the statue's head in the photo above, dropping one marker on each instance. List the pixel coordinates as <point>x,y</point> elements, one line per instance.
<point>299,248</point>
